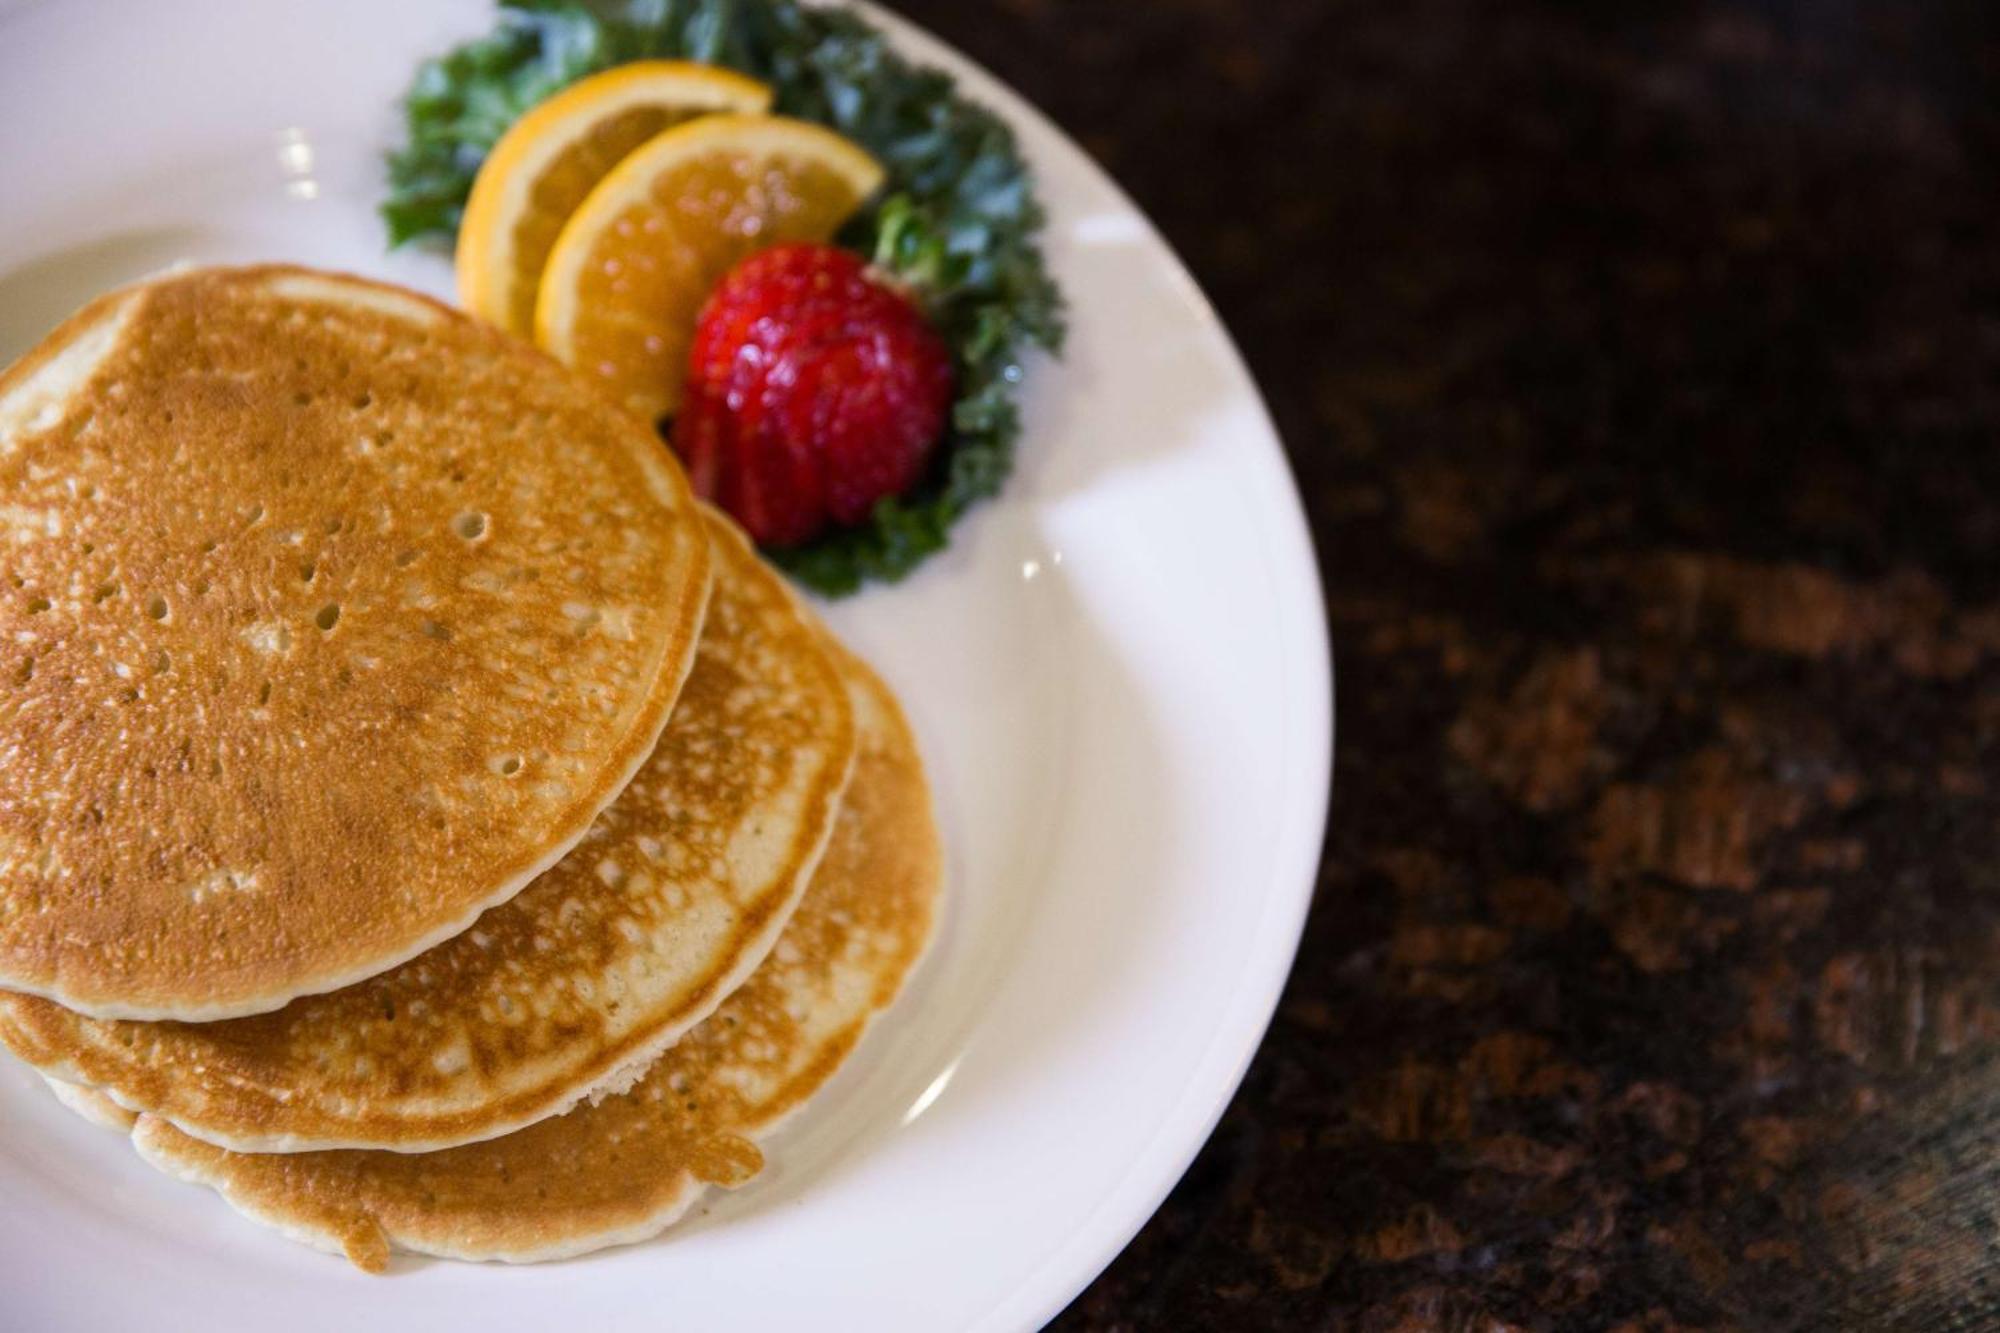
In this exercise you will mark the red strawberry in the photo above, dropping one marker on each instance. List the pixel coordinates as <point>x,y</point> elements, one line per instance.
<point>814,390</point>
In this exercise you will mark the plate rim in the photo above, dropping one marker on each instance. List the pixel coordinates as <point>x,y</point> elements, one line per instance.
<point>1076,1262</point>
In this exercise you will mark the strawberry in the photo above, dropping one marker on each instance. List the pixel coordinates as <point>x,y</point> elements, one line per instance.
<point>814,390</point>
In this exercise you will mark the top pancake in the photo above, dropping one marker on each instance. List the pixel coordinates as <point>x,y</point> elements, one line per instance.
<point>328,619</point>
<point>576,985</point>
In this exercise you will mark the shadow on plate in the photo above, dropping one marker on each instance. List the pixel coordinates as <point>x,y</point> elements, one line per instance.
<point>38,295</point>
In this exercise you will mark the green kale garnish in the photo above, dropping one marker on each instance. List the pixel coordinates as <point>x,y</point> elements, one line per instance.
<point>960,224</point>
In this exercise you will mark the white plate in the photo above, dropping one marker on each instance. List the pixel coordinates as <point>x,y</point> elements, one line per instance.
<point>1119,672</point>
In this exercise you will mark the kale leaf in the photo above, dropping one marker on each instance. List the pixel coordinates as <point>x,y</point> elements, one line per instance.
<point>961,224</point>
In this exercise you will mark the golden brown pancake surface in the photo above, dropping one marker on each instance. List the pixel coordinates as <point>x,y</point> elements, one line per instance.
<point>624,1168</point>
<point>328,618</point>
<point>571,988</point>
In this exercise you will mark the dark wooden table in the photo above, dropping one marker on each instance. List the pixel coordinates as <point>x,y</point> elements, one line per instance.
<point>1640,365</point>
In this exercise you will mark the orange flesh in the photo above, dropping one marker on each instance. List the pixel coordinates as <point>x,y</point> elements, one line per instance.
<point>649,272</point>
<point>561,189</point>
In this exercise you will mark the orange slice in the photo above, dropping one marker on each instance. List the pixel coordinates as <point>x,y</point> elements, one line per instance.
<point>630,270</point>
<point>546,165</point>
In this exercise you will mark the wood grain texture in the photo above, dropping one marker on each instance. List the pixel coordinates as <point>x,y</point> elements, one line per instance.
<point>1638,365</point>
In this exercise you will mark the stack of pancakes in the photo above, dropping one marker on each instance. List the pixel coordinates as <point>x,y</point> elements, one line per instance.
<point>421,820</point>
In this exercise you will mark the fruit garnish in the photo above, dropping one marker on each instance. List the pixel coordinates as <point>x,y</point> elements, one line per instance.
<point>544,167</point>
<point>959,215</point>
<point>815,389</point>
<point>633,265</point>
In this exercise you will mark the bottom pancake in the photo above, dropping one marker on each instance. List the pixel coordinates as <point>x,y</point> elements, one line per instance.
<point>625,1168</point>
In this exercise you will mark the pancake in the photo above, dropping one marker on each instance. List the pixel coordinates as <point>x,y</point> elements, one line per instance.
<point>93,1105</point>
<point>625,1168</point>
<point>574,987</point>
<point>329,618</point>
